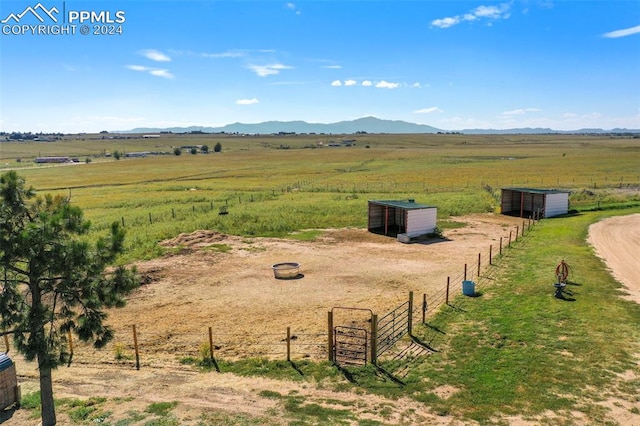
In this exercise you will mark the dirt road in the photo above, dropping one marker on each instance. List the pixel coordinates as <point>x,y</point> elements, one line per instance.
<point>617,241</point>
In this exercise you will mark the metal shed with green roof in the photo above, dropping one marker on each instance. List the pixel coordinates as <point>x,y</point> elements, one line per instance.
<point>525,202</point>
<point>395,217</point>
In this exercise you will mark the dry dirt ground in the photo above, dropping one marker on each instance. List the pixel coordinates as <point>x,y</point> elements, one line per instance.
<point>227,283</point>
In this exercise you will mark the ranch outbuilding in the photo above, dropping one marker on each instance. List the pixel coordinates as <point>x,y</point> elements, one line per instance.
<point>525,202</point>
<point>397,217</point>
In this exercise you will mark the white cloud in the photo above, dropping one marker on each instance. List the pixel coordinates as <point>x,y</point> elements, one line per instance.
<point>492,12</point>
<point>336,83</point>
<point>227,54</point>
<point>155,55</point>
<point>427,110</point>
<point>520,111</point>
<point>292,6</point>
<point>265,70</point>
<point>251,101</point>
<point>161,73</point>
<point>445,22</point>
<point>350,82</point>
<point>367,83</point>
<point>138,68</point>
<point>500,11</point>
<point>622,33</point>
<point>387,85</point>
<point>333,67</point>
<point>153,71</point>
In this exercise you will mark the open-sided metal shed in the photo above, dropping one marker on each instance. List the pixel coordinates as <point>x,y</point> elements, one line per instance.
<point>524,202</point>
<point>393,217</point>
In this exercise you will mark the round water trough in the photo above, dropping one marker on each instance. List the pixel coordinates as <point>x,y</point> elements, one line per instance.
<point>286,270</point>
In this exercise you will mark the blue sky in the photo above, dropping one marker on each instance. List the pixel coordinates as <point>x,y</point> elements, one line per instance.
<point>450,64</point>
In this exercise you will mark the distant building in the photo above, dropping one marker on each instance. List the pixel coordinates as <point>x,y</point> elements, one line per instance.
<point>150,136</point>
<point>43,160</point>
<point>525,202</point>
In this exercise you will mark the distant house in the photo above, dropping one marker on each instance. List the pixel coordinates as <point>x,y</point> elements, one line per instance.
<point>525,202</point>
<point>44,160</point>
<point>150,136</point>
<point>137,154</point>
<point>397,217</point>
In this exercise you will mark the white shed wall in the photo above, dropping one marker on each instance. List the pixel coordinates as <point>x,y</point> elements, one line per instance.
<point>556,204</point>
<point>421,222</point>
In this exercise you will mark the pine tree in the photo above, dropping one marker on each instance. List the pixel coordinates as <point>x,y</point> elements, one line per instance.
<point>52,281</point>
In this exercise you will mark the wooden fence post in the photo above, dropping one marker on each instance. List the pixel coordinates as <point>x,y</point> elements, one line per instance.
<point>211,345</point>
<point>410,316</point>
<point>479,256</point>
<point>517,232</point>
<point>500,246</point>
<point>70,347</point>
<point>6,343</point>
<point>490,254</point>
<point>122,217</point>
<point>447,296</point>
<point>523,223</point>
<point>465,271</point>
<point>330,336</point>
<point>289,344</point>
<point>135,347</point>
<point>510,232</point>
<point>150,220</point>
<point>424,308</point>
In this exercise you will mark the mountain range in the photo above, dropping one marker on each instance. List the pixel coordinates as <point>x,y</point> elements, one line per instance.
<point>365,124</point>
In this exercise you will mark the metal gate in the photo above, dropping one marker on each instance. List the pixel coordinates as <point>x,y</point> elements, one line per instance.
<point>350,345</point>
<point>393,326</point>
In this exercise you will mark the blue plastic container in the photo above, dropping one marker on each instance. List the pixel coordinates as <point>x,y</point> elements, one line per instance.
<point>468,288</point>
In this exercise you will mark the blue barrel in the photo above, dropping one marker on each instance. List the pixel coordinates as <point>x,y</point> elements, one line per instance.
<point>5,362</point>
<point>468,288</point>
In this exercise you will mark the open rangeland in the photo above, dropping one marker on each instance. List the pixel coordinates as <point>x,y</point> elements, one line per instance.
<point>289,201</point>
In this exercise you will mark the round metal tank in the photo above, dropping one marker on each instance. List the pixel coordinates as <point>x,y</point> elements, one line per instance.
<point>286,270</point>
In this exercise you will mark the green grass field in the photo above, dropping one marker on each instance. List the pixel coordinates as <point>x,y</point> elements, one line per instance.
<point>269,191</point>
<point>515,350</point>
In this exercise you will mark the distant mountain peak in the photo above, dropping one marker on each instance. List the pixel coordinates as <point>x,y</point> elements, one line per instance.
<point>368,124</point>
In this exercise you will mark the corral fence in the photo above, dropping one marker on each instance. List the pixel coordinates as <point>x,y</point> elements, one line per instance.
<point>394,326</point>
<point>351,338</point>
<point>354,336</point>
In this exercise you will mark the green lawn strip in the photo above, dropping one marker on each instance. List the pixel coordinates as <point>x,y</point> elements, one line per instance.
<point>519,350</point>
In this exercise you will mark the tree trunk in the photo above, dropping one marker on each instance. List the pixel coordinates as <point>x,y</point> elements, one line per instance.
<point>46,394</point>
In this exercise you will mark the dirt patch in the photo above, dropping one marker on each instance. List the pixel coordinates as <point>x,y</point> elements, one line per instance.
<point>226,282</point>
